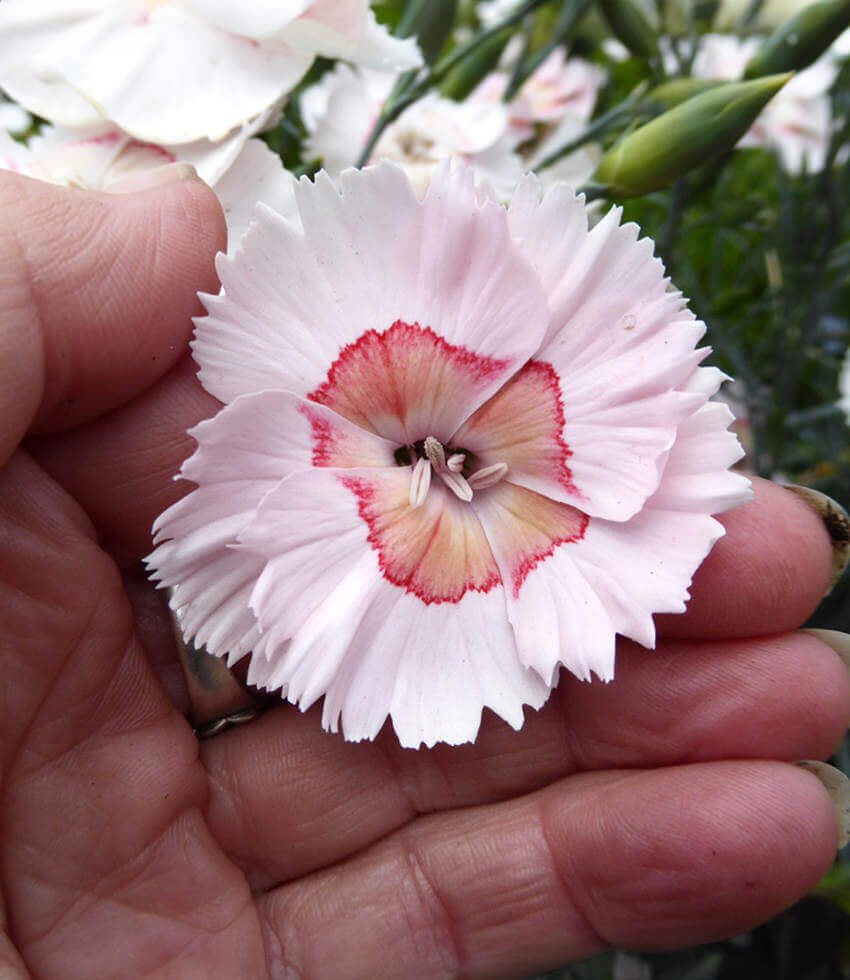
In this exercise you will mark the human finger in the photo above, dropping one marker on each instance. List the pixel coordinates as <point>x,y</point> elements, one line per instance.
<point>286,798</point>
<point>641,860</point>
<point>121,467</point>
<point>766,575</point>
<point>98,293</point>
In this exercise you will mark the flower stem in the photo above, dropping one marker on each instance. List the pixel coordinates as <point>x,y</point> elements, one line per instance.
<point>624,112</point>
<point>526,66</point>
<point>405,94</point>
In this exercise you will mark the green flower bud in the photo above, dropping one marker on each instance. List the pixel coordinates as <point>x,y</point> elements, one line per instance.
<point>630,26</point>
<point>684,137</point>
<point>677,90</point>
<point>802,39</point>
<point>430,22</point>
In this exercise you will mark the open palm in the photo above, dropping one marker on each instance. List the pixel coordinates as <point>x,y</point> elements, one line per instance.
<point>643,814</point>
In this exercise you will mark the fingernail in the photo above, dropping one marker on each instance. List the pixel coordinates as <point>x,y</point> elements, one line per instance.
<point>840,642</point>
<point>837,523</point>
<point>838,787</point>
<point>170,173</point>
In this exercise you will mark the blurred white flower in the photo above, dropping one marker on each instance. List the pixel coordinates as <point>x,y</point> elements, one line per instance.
<point>491,12</point>
<point>797,122</point>
<point>559,87</point>
<point>102,157</point>
<point>575,168</point>
<point>178,71</point>
<point>844,387</point>
<point>14,118</point>
<point>558,98</point>
<point>341,109</point>
<point>462,446</point>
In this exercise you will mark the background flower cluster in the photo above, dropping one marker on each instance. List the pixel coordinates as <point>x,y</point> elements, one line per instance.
<point>753,223</point>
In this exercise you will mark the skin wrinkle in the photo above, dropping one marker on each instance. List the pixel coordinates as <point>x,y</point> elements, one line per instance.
<point>397,771</point>
<point>105,891</point>
<point>56,378</point>
<point>566,875</point>
<point>435,909</point>
<point>12,747</point>
<point>594,938</point>
<point>35,385</point>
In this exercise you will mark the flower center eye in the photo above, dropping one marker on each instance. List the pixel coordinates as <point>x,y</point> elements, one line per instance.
<point>454,467</point>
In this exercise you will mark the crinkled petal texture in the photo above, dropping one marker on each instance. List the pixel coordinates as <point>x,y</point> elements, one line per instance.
<point>176,72</point>
<point>462,447</point>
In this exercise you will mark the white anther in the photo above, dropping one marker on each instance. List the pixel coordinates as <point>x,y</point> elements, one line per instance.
<point>420,483</point>
<point>435,453</point>
<point>457,484</point>
<point>487,476</point>
<point>447,469</point>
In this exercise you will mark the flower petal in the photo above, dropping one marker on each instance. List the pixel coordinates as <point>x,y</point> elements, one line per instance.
<point>127,61</point>
<point>431,669</point>
<point>616,575</point>
<point>336,626</point>
<point>256,174</point>
<point>370,257</point>
<point>349,30</point>
<point>313,526</point>
<point>556,616</point>
<point>620,341</point>
<point>257,18</point>
<point>242,454</point>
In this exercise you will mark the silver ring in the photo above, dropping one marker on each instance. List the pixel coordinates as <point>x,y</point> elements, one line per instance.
<point>219,725</point>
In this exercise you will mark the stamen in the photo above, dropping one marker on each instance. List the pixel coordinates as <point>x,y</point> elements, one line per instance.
<point>457,484</point>
<point>449,471</point>
<point>487,476</point>
<point>420,482</point>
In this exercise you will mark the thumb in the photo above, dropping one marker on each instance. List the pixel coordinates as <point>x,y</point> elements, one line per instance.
<point>97,292</point>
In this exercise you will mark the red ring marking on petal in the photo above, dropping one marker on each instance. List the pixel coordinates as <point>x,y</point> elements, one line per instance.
<point>437,552</point>
<point>527,565</point>
<point>525,528</point>
<point>393,374</point>
<point>336,443</point>
<point>522,425</point>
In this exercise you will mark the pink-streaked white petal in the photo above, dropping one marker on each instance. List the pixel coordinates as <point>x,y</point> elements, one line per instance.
<point>242,454</point>
<point>373,259</point>
<point>622,402</point>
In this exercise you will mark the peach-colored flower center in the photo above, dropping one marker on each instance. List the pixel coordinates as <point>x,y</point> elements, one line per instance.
<point>426,531</point>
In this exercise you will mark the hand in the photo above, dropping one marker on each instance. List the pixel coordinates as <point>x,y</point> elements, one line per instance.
<point>648,813</point>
